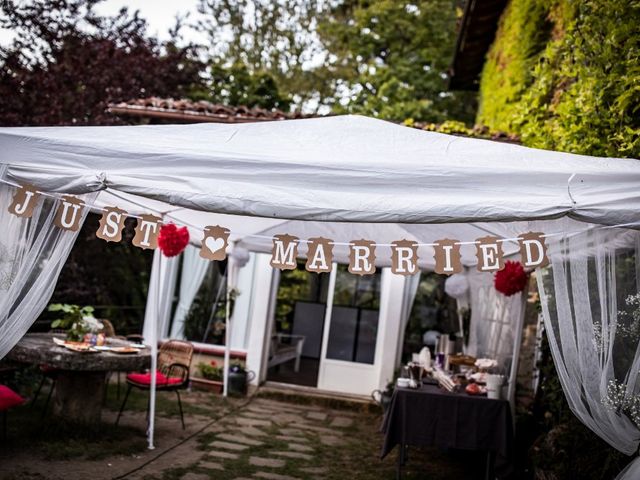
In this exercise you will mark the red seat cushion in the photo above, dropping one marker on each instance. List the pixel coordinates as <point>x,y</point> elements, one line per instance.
<point>9,398</point>
<point>145,379</point>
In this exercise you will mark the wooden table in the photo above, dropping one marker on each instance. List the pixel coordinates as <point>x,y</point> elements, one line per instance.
<point>80,382</point>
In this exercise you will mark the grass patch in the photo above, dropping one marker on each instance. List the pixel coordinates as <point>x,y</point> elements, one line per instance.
<point>57,440</point>
<point>166,402</point>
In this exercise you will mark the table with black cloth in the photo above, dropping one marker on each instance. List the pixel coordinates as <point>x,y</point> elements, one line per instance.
<point>430,416</point>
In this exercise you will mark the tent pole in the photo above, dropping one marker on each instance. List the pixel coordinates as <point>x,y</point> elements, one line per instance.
<point>517,342</point>
<point>227,325</point>
<point>154,352</point>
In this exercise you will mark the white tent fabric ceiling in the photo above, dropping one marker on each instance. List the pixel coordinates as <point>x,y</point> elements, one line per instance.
<point>333,169</point>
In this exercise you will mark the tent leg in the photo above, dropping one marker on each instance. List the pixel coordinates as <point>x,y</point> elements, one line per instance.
<point>46,403</point>
<point>517,341</point>
<point>35,397</point>
<point>124,402</point>
<point>180,407</point>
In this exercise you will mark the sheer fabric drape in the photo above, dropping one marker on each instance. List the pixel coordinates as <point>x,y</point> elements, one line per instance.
<point>591,310</point>
<point>32,254</point>
<point>493,320</point>
<point>408,298</point>
<point>194,268</point>
<point>160,297</point>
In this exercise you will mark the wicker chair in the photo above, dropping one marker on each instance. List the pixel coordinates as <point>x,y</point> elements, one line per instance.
<point>107,328</point>
<point>174,362</point>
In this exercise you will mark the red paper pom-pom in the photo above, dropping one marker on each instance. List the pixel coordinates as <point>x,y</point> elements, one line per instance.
<point>172,240</point>
<point>511,279</point>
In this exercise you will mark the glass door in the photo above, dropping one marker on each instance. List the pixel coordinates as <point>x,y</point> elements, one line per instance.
<point>350,332</point>
<point>295,345</point>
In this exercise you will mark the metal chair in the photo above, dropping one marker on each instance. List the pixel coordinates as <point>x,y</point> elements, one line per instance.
<point>174,362</point>
<point>47,372</point>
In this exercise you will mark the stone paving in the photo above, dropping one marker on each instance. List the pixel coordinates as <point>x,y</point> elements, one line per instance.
<point>271,440</point>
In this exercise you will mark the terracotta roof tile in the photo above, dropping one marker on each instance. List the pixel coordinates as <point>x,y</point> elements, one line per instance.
<point>196,111</point>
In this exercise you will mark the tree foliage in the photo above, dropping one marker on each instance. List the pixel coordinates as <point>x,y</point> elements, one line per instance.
<point>391,59</point>
<point>384,58</point>
<point>66,63</point>
<point>264,52</point>
<point>566,76</point>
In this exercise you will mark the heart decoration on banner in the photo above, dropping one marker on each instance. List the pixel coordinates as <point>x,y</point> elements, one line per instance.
<point>151,232</point>
<point>214,243</point>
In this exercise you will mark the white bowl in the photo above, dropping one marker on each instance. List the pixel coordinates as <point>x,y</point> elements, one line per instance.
<point>403,382</point>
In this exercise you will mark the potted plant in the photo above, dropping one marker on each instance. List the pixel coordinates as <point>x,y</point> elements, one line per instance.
<point>76,321</point>
<point>211,376</point>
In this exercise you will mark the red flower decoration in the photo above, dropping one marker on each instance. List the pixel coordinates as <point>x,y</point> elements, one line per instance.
<point>511,279</point>
<point>172,240</point>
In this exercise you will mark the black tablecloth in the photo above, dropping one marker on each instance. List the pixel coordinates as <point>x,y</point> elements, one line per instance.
<point>430,416</point>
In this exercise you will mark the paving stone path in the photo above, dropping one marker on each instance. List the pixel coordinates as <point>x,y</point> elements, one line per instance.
<point>271,440</point>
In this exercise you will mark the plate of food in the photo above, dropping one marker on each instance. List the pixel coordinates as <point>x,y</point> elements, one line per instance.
<point>475,389</point>
<point>102,348</point>
<point>124,350</point>
<point>80,347</point>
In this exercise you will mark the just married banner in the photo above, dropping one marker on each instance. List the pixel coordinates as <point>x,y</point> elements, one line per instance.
<point>284,252</point>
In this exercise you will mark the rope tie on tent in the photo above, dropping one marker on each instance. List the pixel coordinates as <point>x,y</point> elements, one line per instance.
<point>573,200</point>
<point>102,178</point>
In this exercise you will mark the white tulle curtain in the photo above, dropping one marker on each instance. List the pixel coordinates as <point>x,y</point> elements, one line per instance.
<point>409,293</point>
<point>160,296</point>
<point>494,320</point>
<point>194,268</point>
<point>591,309</point>
<point>32,253</point>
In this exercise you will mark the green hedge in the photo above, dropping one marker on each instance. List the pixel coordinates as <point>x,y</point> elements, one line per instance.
<point>565,75</point>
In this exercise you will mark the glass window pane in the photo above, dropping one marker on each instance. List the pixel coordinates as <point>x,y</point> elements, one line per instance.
<point>354,318</point>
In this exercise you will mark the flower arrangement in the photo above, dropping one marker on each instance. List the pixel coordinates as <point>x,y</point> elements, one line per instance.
<point>511,279</point>
<point>210,371</point>
<point>76,320</point>
<point>172,240</point>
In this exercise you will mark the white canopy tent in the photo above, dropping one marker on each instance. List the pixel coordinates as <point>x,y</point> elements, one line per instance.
<point>343,178</point>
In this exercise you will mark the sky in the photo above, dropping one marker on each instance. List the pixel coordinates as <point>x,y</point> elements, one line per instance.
<point>160,15</point>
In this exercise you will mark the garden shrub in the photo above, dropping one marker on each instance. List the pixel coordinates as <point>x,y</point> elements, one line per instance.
<point>565,75</point>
